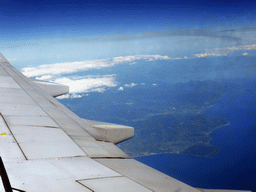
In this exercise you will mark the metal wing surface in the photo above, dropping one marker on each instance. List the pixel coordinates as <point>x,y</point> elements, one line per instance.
<point>46,147</point>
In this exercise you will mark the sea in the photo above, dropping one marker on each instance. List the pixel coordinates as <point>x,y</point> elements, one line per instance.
<point>234,167</point>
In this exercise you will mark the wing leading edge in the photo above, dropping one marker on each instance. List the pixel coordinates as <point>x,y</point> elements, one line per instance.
<point>46,147</point>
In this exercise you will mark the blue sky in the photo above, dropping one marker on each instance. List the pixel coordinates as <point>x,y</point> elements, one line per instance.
<point>33,20</point>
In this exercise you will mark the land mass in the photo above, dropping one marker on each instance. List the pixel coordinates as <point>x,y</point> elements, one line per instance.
<point>181,128</point>
<point>187,134</point>
<point>167,117</point>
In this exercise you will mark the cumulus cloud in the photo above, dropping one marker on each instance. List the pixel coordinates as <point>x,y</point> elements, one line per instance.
<point>245,54</point>
<point>87,83</point>
<point>72,96</point>
<point>120,89</point>
<point>81,86</point>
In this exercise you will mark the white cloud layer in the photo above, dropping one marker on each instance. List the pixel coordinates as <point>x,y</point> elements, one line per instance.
<point>65,68</point>
<point>47,70</point>
<point>85,84</point>
<point>72,67</point>
<point>88,83</point>
<point>79,85</point>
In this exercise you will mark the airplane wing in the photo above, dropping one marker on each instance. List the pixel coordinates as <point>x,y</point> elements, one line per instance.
<point>46,147</point>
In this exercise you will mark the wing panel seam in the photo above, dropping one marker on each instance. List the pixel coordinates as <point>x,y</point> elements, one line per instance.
<point>36,87</point>
<point>13,136</point>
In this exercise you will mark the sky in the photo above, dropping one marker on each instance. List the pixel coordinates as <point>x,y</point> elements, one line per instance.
<point>60,19</point>
<point>37,20</point>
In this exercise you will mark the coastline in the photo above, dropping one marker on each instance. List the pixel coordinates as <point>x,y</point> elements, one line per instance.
<point>233,166</point>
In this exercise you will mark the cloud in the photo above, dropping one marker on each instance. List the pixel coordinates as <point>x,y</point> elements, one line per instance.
<point>86,84</point>
<point>225,51</point>
<point>120,89</point>
<point>130,85</point>
<point>78,66</point>
<point>122,59</point>
<point>72,67</point>
<point>72,96</point>
<point>237,48</point>
<point>200,55</point>
<point>65,68</point>
<point>243,47</point>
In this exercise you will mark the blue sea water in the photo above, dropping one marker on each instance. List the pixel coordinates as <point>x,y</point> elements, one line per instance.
<point>234,167</point>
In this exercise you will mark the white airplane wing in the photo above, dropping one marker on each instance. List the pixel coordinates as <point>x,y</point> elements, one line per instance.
<point>46,147</point>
